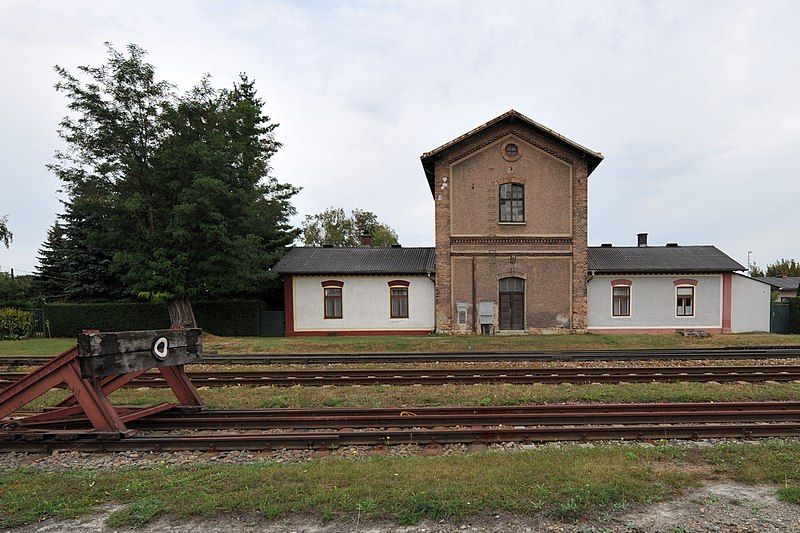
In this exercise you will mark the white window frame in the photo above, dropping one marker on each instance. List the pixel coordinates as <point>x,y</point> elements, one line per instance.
<point>694,300</point>
<point>630,301</point>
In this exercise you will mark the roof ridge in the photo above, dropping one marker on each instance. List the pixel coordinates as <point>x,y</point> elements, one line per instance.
<point>655,246</point>
<point>500,118</point>
<point>364,247</point>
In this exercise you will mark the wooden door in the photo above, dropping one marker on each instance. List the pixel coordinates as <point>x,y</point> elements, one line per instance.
<point>512,304</point>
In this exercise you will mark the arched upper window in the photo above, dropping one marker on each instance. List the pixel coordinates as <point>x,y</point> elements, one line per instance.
<point>512,285</point>
<point>512,202</point>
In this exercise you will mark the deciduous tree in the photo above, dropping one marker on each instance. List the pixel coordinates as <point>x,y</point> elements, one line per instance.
<point>5,234</point>
<point>222,219</point>
<point>334,227</point>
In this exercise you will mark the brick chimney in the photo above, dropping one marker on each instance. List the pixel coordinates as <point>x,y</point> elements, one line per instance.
<point>641,239</point>
<point>366,239</point>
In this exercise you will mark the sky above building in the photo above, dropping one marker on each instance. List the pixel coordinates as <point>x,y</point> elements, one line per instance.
<point>696,106</point>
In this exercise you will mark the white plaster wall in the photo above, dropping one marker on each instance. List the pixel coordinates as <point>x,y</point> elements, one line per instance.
<point>365,304</point>
<point>750,305</point>
<point>653,302</point>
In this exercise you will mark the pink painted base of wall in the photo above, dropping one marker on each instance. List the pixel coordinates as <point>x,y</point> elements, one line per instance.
<point>358,333</point>
<point>654,331</point>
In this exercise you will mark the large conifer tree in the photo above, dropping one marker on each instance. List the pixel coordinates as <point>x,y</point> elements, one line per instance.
<point>171,197</point>
<point>51,272</point>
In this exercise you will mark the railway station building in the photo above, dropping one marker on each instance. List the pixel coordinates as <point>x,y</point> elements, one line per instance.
<point>511,255</point>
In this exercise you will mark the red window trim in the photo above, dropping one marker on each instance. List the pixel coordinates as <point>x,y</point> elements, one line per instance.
<point>623,282</point>
<point>393,297</point>
<point>333,283</point>
<point>685,281</point>
<point>399,283</point>
<point>326,298</point>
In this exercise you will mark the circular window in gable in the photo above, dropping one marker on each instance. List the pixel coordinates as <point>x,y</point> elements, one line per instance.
<point>511,151</point>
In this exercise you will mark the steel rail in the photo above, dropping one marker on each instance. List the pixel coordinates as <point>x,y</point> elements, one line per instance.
<point>736,352</point>
<point>438,376</point>
<point>496,409</point>
<point>81,441</point>
<point>379,427</point>
<point>218,423</point>
<point>551,415</point>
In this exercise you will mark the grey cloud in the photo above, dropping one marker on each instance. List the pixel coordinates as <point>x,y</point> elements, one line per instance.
<point>694,105</point>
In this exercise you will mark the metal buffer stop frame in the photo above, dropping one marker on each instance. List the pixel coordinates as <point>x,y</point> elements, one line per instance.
<point>102,363</point>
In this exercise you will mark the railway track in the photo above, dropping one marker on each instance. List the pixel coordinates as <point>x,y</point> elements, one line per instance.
<point>333,427</point>
<point>468,376</point>
<point>762,352</point>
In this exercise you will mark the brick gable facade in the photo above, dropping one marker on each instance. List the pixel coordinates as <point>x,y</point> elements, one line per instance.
<point>475,250</point>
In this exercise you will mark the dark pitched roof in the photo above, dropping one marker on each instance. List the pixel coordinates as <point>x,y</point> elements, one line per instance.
<point>428,158</point>
<point>655,259</point>
<point>316,260</point>
<point>786,283</point>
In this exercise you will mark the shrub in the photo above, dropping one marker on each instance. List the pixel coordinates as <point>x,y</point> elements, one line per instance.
<point>15,323</point>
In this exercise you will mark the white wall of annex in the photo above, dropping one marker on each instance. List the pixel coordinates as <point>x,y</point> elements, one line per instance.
<point>365,304</point>
<point>653,303</point>
<point>750,305</point>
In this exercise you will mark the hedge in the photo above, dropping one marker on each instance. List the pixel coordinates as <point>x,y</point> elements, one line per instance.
<point>233,318</point>
<point>794,315</point>
<point>226,318</point>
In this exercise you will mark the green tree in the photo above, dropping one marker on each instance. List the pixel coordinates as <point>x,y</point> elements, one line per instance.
<point>51,273</point>
<point>179,186</point>
<point>783,267</point>
<point>334,227</point>
<point>110,133</point>
<point>756,271</point>
<point>5,234</point>
<point>17,288</point>
<point>89,248</point>
<point>226,219</point>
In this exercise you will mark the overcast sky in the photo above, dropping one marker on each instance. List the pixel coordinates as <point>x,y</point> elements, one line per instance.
<point>697,111</point>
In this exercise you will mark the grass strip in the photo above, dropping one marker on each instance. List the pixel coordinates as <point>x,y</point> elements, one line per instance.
<point>435,343</point>
<point>246,397</point>
<point>567,483</point>
<point>460,343</point>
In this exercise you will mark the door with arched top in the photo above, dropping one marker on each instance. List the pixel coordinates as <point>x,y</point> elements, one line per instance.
<point>512,304</point>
